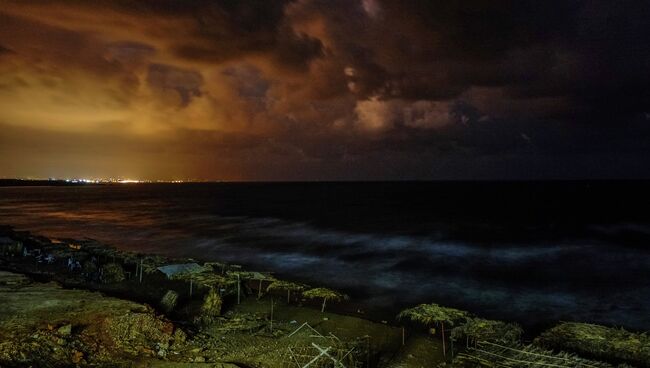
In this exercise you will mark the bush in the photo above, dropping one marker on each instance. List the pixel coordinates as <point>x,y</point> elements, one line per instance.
<point>211,308</point>
<point>168,301</point>
<point>89,267</point>
<point>478,329</point>
<point>610,344</point>
<point>112,273</point>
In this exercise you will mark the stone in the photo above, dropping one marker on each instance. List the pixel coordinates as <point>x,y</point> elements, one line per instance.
<point>65,330</point>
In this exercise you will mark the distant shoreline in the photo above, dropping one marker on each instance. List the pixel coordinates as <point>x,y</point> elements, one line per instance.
<point>40,183</point>
<point>16,182</point>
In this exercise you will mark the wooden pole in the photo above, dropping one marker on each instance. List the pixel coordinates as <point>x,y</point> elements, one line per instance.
<point>259,290</point>
<point>403,336</point>
<point>442,330</point>
<point>451,347</point>
<point>191,284</point>
<point>238,289</point>
<point>141,260</point>
<point>368,354</point>
<point>322,309</point>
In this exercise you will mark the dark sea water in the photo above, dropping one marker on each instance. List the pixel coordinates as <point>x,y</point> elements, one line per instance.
<point>535,253</point>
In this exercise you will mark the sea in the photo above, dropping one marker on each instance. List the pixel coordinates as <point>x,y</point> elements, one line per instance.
<point>531,252</point>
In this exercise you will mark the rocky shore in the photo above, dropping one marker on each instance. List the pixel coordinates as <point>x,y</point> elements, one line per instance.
<point>82,303</point>
<point>67,302</point>
<point>45,323</point>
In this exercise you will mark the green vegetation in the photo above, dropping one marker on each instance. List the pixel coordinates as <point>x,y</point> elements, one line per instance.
<point>286,285</point>
<point>325,294</point>
<point>211,308</point>
<point>479,329</point>
<point>488,354</point>
<point>610,344</point>
<point>169,300</point>
<point>112,273</point>
<point>433,314</point>
<point>83,328</point>
<point>89,267</point>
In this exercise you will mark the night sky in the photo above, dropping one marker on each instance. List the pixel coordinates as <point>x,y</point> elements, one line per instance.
<point>325,90</point>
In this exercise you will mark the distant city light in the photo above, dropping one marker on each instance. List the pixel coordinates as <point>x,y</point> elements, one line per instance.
<point>110,180</point>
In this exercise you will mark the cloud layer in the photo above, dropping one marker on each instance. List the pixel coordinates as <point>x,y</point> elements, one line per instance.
<point>315,89</point>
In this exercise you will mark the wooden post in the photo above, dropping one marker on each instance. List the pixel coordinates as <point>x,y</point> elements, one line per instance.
<point>271,314</point>
<point>451,347</point>
<point>322,309</point>
<point>238,289</point>
<point>368,355</point>
<point>191,284</point>
<point>259,290</point>
<point>403,336</point>
<point>442,330</point>
<point>141,260</point>
<point>288,295</point>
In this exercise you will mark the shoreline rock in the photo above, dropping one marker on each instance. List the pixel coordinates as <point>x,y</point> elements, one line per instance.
<point>47,325</point>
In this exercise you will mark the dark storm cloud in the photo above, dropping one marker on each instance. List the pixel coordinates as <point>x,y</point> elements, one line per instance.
<point>225,30</point>
<point>318,89</point>
<point>185,83</point>
<point>4,50</point>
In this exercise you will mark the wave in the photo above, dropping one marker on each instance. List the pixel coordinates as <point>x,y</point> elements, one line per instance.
<point>588,277</point>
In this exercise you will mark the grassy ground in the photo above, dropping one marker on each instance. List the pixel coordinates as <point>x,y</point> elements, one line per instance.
<point>385,342</point>
<point>245,336</point>
<point>420,352</point>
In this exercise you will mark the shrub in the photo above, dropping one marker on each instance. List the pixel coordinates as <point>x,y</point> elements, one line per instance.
<point>168,301</point>
<point>89,267</point>
<point>610,344</point>
<point>112,273</point>
<point>478,329</point>
<point>211,308</point>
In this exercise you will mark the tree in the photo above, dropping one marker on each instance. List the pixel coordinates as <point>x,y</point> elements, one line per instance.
<point>286,285</point>
<point>433,314</point>
<point>325,294</point>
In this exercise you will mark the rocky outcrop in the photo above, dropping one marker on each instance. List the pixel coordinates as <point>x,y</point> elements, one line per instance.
<point>46,325</point>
